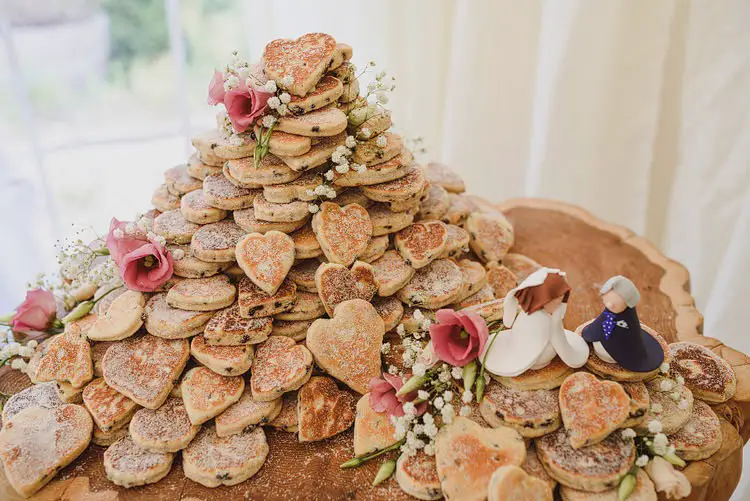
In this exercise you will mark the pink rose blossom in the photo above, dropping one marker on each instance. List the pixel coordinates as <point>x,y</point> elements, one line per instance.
<point>145,265</point>
<point>244,105</point>
<point>36,313</point>
<point>147,268</point>
<point>216,89</point>
<point>383,396</point>
<point>458,337</point>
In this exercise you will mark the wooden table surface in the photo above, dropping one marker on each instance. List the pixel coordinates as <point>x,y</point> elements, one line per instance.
<point>556,235</point>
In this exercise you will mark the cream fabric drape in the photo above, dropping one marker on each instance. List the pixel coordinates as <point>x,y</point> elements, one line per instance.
<point>637,110</point>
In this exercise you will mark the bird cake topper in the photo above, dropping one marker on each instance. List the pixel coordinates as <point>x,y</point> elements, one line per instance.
<point>617,334</point>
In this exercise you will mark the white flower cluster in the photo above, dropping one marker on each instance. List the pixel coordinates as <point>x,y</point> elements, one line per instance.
<point>416,145</point>
<point>661,444</point>
<point>156,238</point>
<point>83,268</point>
<point>269,121</point>
<point>340,157</point>
<point>378,89</point>
<point>419,432</point>
<point>280,102</point>
<point>424,322</point>
<point>287,81</point>
<point>412,349</point>
<point>666,385</point>
<point>654,426</point>
<point>10,348</point>
<point>240,70</point>
<point>322,191</point>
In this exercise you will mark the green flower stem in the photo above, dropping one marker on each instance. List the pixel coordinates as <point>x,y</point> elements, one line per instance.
<point>480,385</point>
<point>101,252</point>
<point>5,319</point>
<point>81,310</point>
<point>359,461</point>
<point>261,148</point>
<point>479,390</point>
<point>385,472</point>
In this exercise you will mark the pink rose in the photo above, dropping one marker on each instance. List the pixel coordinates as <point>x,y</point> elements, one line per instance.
<point>145,265</point>
<point>244,105</point>
<point>383,396</point>
<point>147,268</point>
<point>458,337</point>
<point>36,313</point>
<point>216,89</point>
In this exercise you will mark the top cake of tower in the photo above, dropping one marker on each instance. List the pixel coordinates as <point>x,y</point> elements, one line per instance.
<point>305,60</point>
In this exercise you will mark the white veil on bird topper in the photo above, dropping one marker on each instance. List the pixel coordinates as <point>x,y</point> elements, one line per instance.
<point>536,336</point>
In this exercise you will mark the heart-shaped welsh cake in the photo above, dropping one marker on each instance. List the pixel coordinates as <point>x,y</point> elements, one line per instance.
<point>422,242</point>
<point>67,356</point>
<point>512,482</point>
<point>336,283</point>
<point>323,410</point>
<point>280,365</point>
<point>207,394</point>
<point>266,259</point>
<point>109,408</point>
<point>304,60</point>
<point>591,409</point>
<point>348,346</point>
<point>372,430</point>
<point>144,368</point>
<point>467,455</point>
<point>38,442</point>
<point>343,232</point>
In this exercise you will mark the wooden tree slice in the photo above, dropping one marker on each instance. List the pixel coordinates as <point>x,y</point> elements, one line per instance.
<point>553,233</point>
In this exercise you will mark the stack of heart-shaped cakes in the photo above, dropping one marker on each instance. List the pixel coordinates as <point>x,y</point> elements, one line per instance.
<point>307,249</point>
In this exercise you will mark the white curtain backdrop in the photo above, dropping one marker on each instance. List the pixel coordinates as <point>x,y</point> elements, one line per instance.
<point>638,110</point>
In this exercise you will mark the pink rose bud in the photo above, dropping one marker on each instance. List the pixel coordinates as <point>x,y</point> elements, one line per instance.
<point>36,313</point>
